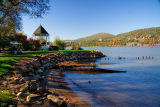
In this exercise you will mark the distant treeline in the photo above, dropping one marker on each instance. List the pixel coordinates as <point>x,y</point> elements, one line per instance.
<point>141,37</point>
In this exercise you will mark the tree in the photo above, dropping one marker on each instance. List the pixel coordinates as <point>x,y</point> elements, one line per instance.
<point>7,31</point>
<point>59,43</point>
<point>42,39</point>
<point>12,10</point>
<point>35,44</point>
<point>4,42</point>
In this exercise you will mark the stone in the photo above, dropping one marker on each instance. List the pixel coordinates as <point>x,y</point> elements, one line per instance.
<point>33,97</point>
<point>20,94</point>
<point>5,83</point>
<point>16,72</point>
<point>27,78</point>
<point>41,91</point>
<point>21,80</point>
<point>39,71</point>
<point>11,106</point>
<point>30,74</point>
<point>20,105</point>
<point>24,87</point>
<point>37,77</point>
<point>15,86</point>
<point>13,81</point>
<point>33,87</point>
<point>49,103</point>
<point>55,99</point>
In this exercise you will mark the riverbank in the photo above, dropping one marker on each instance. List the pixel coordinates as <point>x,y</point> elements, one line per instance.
<point>57,84</point>
<point>28,81</point>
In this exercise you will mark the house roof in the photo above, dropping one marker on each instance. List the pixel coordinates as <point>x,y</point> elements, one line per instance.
<point>40,31</point>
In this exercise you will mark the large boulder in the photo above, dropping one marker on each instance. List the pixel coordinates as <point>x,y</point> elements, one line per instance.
<point>32,97</point>
<point>33,86</point>
<point>55,99</point>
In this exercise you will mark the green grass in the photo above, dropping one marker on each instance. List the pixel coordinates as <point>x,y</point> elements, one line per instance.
<point>3,65</point>
<point>6,63</point>
<point>5,98</point>
<point>3,71</point>
<point>6,60</point>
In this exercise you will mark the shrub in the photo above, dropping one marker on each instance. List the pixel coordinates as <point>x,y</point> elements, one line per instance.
<point>53,48</point>
<point>76,48</point>
<point>59,43</point>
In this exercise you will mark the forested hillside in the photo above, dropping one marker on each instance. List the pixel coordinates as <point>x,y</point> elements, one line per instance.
<point>141,37</point>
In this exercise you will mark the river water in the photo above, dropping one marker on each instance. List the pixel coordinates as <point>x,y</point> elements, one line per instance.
<point>139,86</point>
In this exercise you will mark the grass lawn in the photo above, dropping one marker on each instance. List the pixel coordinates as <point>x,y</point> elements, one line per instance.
<point>7,60</point>
<point>5,98</point>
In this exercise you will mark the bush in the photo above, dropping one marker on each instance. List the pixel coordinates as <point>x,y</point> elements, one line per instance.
<point>53,48</point>
<point>59,43</point>
<point>76,48</point>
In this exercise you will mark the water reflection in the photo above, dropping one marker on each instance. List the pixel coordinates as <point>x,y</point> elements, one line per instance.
<point>138,87</point>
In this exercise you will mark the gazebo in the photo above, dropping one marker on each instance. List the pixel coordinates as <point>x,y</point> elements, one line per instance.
<point>41,32</point>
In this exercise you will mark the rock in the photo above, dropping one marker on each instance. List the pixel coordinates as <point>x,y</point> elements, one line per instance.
<point>49,103</point>
<point>11,106</point>
<point>5,83</point>
<point>20,94</point>
<point>16,72</point>
<point>33,97</point>
<point>21,80</point>
<point>27,78</point>
<point>15,87</point>
<point>30,74</point>
<point>32,87</point>
<point>34,81</point>
<point>39,71</point>
<point>20,105</point>
<point>24,87</point>
<point>42,91</point>
<point>57,100</point>
<point>37,77</point>
<point>13,81</point>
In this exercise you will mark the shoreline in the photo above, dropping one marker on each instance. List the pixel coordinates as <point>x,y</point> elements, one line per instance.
<point>60,87</point>
<point>28,80</point>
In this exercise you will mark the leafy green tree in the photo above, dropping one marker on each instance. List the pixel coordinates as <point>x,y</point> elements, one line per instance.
<point>59,43</point>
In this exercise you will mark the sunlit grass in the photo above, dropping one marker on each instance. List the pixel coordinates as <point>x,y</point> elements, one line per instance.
<point>2,71</point>
<point>5,98</point>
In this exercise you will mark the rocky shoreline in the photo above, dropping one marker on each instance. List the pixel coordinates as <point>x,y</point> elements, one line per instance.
<point>28,81</point>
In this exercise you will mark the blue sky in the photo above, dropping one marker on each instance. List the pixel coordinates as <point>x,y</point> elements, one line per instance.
<point>72,19</point>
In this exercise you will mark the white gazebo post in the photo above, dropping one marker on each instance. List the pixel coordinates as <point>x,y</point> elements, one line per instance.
<point>41,32</point>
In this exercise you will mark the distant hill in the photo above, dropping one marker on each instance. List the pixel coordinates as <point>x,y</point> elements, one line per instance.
<point>140,37</point>
<point>141,32</point>
<point>96,37</point>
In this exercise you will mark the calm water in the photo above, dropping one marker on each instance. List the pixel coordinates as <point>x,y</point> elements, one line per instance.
<point>138,87</point>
